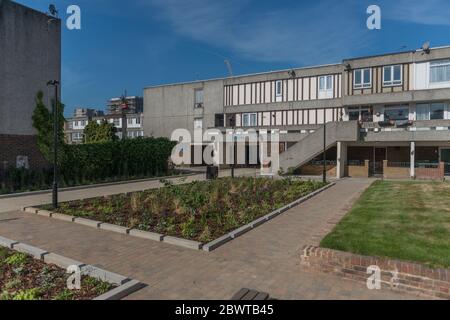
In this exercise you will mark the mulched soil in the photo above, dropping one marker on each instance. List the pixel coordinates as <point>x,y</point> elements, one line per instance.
<point>51,281</point>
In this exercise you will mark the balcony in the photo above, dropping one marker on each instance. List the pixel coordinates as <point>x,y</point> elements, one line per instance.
<point>432,130</point>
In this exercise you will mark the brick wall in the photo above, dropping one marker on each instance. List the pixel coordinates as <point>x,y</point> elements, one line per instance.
<point>395,172</point>
<point>431,173</point>
<point>395,274</point>
<point>12,146</point>
<point>317,170</point>
<point>359,171</point>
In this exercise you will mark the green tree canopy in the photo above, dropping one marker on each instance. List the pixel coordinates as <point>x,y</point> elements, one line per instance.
<point>99,133</point>
<point>43,123</point>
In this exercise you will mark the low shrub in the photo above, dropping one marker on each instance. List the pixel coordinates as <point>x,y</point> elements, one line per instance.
<point>96,163</point>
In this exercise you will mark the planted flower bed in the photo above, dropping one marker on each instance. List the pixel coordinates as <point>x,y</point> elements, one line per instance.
<point>24,278</point>
<point>200,211</point>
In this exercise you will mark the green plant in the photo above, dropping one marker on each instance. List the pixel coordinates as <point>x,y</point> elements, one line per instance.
<point>100,287</point>
<point>29,294</point>
<point>43,123</point>
<point>188,229</point>
<point>13,284</point>
<point>98,133</point>
<point>5,295</point>
<point>17,259</point>
<point>66,294</point>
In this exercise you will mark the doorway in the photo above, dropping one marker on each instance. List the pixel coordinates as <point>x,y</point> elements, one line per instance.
<point>376,165</point>
<point>445,157</point>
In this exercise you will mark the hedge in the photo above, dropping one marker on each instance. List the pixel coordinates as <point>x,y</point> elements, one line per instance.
<point>100,162</point>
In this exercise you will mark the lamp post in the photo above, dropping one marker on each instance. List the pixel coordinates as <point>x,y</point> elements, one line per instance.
<point>324,153</point>
<point>233,125</point>
<point>55,111</point>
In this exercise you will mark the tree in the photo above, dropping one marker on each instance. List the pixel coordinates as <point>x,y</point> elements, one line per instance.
<point>99,133</point>
<point>43,123</point>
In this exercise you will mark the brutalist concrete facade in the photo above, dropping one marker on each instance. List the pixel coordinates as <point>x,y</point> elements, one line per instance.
<point>387,108</point>
<point>30,56</point>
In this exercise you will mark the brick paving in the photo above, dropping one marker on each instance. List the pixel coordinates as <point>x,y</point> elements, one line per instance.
<point>265,259</point>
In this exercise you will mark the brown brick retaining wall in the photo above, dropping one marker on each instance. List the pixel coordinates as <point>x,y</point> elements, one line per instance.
<point>358,171</point>
<point>411,277</point>
<point>12,146</point>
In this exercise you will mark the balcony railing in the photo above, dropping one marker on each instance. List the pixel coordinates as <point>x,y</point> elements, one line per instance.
<point>420,165</point>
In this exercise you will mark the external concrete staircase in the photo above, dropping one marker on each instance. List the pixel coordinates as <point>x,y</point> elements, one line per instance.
<point>310,147</point>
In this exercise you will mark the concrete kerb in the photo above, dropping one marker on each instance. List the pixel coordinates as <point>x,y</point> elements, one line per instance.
<point>179,241</point>
<point>244,229</point>
<point>125,285</point>
<point>33,251</point>
<point>4,242</point>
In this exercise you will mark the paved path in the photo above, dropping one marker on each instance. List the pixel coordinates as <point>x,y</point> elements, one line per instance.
<point>265,259</point>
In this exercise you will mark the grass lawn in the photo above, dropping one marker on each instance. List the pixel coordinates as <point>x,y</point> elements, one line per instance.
<point>201,211</point>
<point>401,220</point>
<point>24,278</point>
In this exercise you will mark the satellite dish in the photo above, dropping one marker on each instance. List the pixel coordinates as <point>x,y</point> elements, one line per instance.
<point>426,47</point>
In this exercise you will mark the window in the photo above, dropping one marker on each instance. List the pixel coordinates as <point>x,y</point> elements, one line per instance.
<point>279,88</point>
<point>396,113</point>
<point>198,123</point>
<point>219,120</point>
<point>392,75</point>
<point>353,114</point>
<point>325,87</point>
<point>440,71</point>
<point>130,121</point>
<point>249,120</point>
<point>362,78</point>
<point>138,120</point>
<point>364,114</point>
<point>325,83</point>
<point>199,98</point>
<point>434,111</point>
<point>116,122</point>
<point>77,136</point>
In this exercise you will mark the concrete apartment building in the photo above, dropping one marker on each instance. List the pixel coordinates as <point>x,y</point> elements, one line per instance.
<point>30,56</point>
<point>132,104</point>
<point>385,115</point>
<point>129,125</point>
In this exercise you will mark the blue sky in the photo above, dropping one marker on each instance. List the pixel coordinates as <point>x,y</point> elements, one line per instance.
<point>137,43</point>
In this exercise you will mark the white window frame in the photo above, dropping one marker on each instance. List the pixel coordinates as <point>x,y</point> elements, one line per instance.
<point>392,82</point>
<point>249,117</point>
<point>439,63</point>
<point>362,85</point>
<point>199,104</point>
<point>428,110</point>
<point>326,93</point>
<point>198,120</point>
<point>279,88</point>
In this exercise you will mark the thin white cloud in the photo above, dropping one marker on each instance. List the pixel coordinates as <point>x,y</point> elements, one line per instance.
<point>322,33</point>
<point>426,12</point>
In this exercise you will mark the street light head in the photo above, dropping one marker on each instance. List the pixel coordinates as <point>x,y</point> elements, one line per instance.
<point>53,83</point>
<point>52,10</point>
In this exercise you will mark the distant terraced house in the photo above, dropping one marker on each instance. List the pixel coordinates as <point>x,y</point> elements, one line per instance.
<point>128,125</point>
<point>386,115</point>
